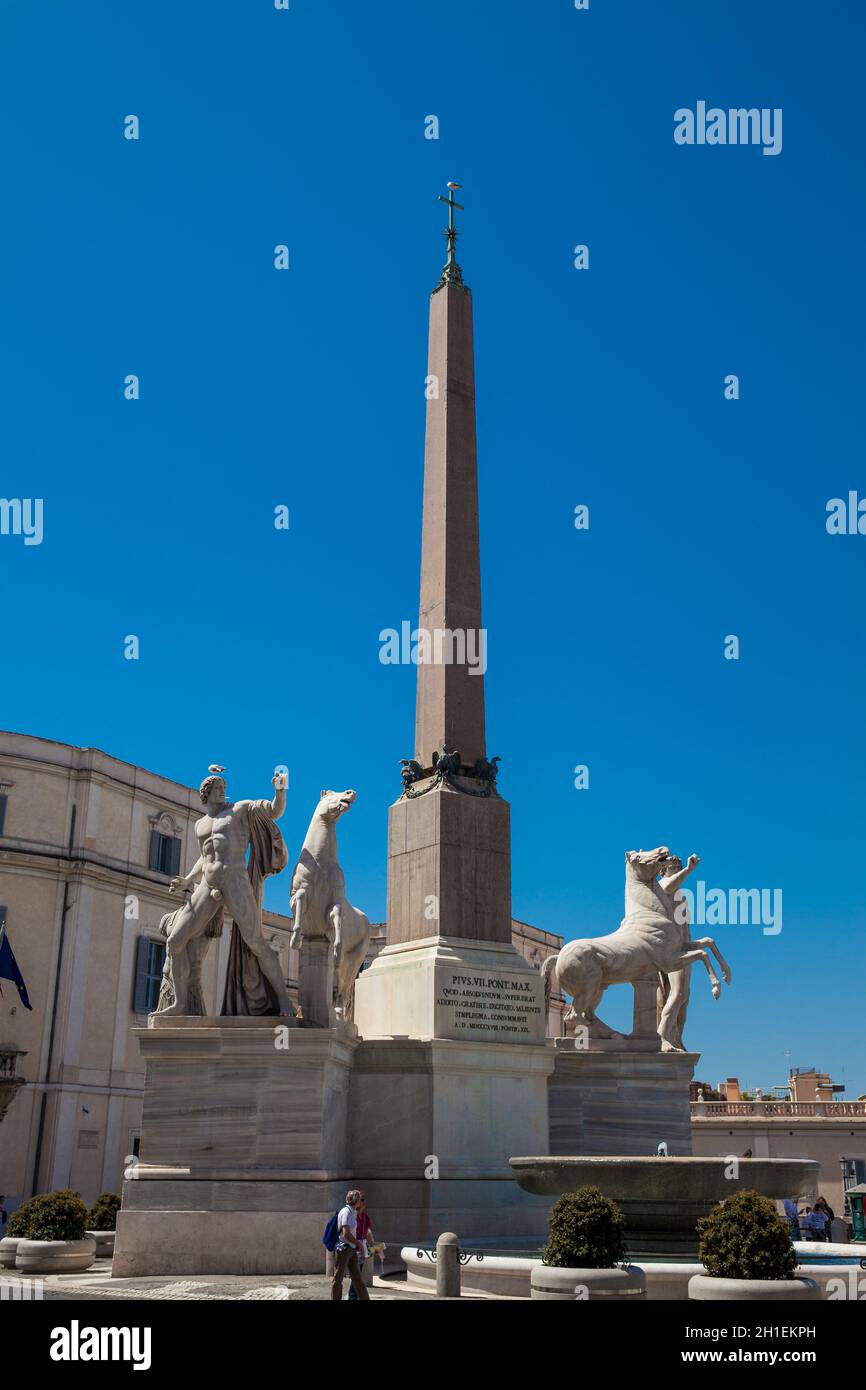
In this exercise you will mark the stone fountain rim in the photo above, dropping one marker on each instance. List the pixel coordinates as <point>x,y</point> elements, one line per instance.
<point>699,1159</point>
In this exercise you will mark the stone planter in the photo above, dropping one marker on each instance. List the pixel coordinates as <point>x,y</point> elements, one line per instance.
<point>704,1288</point>
<point>55,1256</point>
<point>8,1247</point>
<point>104,1243</point>
<point>549,1281</point>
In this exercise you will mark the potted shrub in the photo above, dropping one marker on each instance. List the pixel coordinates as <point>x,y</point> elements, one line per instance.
<point>585,1254</point>
<point>51,1231</point>
<point>101,1223</point>
<point>745,1248</point>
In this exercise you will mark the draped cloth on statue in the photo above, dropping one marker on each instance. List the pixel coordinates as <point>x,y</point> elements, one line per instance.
<point>247,991</point>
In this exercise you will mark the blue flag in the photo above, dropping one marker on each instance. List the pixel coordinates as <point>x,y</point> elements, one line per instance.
<point>9,968</point>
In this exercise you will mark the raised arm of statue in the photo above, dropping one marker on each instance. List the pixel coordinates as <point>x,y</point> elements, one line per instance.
<point>673,882</point>
<point>278,805</point>
<point>274,808</point>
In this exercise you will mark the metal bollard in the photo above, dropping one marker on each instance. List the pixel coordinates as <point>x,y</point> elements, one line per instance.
<point>448,1266</point>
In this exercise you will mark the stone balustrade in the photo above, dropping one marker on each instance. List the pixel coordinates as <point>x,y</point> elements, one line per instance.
<point>779,1109</point>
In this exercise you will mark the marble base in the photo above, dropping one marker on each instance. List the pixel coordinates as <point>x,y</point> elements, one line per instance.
<point>243,1148</point>
<point>449,987</point>
<point>185,1227</point>
<point>433,1124</point>
<point>247,1150</point>
<point>624,1101</point>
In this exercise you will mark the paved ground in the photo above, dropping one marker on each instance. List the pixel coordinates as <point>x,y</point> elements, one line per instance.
<point>97,1284</point>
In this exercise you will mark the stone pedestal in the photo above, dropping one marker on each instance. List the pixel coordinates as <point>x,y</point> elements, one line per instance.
<point>449,866</point>
<point>252,1135</point>
<point>316,982</point>
<point>433,1124</point>
<point>620,1100</point>
<point>448,987</point>
<point>243,1152</point>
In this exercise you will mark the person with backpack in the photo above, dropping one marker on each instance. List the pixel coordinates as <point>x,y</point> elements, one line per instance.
<point>364,1234</point>
<point>347,1248</point>
<point>820,1222</point>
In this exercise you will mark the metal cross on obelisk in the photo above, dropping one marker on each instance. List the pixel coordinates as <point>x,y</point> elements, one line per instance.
<point>451,272</point>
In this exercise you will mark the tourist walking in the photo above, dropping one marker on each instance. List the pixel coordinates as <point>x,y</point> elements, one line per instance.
<point>793,1217</point>
<point>346,1251</point>
<point>825,1207</point>
<point>364,1237</point>
<point>822,1215</point>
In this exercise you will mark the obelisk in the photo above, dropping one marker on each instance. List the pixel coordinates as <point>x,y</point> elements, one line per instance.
<point>449,836</point>
<point>450,695</point>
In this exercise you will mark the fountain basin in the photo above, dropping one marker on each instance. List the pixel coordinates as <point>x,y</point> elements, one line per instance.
<point>662,1199</point>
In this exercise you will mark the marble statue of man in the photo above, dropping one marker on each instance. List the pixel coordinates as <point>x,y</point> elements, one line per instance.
<point>222,881</point>
<point>677,983</point>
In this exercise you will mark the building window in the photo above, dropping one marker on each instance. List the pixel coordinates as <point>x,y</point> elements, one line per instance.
<point>164,853</point>
<point>148,974</point>
<point>4,802</point>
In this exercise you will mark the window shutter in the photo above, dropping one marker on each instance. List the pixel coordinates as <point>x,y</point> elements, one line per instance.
<point>154,850</point>
<point>3,803</point>
<point>139,1002</point>
<point>174,863</point>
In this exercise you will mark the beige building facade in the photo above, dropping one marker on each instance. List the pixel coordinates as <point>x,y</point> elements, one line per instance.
<point>88,845</point>
<point>833,1132</point>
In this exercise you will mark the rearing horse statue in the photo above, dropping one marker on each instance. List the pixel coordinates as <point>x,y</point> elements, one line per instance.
<point>648,939</point>
<point>319,904</point>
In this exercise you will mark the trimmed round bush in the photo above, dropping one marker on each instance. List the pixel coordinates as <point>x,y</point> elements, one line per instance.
<point>103,1214</point>
<point>585,1232</point>
<point>744,1237</point>
<point>50,1216</point>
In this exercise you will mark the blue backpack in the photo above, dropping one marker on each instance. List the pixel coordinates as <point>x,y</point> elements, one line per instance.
<point>332,1233</point>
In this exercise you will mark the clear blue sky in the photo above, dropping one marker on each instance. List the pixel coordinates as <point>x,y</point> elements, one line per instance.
<point>604,387</point>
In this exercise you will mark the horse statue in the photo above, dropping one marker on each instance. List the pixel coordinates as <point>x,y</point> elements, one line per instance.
<point>649,939</point>
<point>319,904</point>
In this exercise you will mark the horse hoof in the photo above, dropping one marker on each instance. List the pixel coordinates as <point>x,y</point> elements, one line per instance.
<point>717,989</point>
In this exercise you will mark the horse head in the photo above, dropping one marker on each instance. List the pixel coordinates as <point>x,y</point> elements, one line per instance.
<point>645,863</point>
<point>332,805</point>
